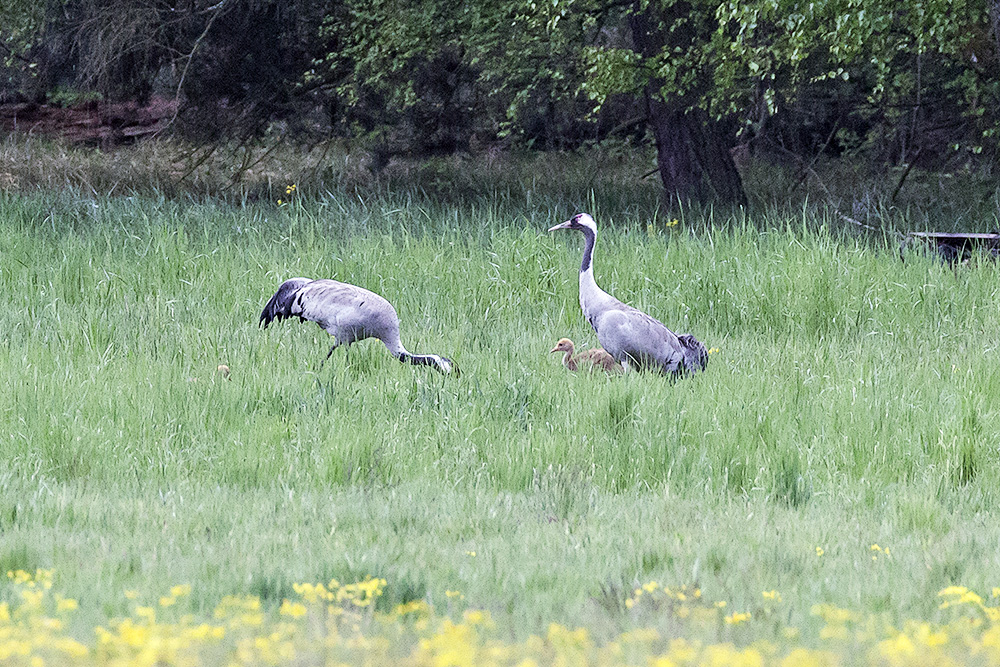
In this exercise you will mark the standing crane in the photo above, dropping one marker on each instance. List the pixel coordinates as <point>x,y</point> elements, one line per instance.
<point>348,313</point>
<point>632,337</point>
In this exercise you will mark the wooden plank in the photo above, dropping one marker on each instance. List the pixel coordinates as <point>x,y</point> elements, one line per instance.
<point>949,236</point>
<point>955,247</point>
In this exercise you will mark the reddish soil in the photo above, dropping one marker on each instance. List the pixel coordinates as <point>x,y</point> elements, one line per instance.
<point>102,124</point>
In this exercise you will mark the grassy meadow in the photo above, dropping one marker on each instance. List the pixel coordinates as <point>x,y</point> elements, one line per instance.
<point>837,460</point>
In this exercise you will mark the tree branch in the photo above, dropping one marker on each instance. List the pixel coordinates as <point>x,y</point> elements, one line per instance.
<point>217,8</point>
<point>995,21</point>
<point>906,172</point>
<point>14,54</point>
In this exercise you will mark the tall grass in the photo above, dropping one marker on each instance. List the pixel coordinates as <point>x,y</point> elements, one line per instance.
<point>850,402</point>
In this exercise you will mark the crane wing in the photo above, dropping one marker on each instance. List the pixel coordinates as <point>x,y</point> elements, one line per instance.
<point>347,312</point>
<point>632,335</point>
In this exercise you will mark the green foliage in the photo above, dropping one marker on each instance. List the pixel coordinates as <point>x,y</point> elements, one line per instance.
<point>65,97</point>
<point>864,77</point>
<point>21,23</point>
<point>516,55</point>
<point>868,78</point>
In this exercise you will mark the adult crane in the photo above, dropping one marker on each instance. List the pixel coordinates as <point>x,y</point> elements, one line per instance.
<point>632,337</point>
<point>348,313</point>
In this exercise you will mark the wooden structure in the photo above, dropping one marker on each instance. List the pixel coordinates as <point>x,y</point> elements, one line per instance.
<point>955,247</point>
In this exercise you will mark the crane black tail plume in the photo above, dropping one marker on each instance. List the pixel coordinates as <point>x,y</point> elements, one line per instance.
<point>280,305</point>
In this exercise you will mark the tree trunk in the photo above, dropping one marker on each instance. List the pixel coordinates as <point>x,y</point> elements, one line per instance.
<point>692,155</point>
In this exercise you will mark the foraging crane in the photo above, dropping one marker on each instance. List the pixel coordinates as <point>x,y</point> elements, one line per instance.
<point>592,359</point>
<point>631,336</point>
<point>348,313</point>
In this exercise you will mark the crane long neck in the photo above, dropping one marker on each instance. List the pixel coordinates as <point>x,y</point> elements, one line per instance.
<point>590,293</point>
<point>395,346</point>
<point>419,359</point>
<point>589,239</point>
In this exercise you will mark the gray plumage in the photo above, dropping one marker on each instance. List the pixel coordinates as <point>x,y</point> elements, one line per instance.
<point>632,337</point>
<point>348,313</point>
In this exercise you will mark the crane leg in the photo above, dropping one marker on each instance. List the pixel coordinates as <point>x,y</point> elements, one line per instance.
<point>332,348</point>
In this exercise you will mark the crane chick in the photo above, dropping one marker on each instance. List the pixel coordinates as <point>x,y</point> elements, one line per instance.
<point>631,336</point>
<point>348,313</point>
<point>591,360</point>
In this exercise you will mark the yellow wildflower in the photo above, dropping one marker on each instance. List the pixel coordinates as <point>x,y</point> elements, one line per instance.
<point>802,657</point>
<point>899,647</point>
<point>832,614</point>
<point>640,636</point>
<point>180,590</point>
<point>32,598</point>
<point>478,617</point>
<point>293,609</point>
<point>412,607</point>
<point>19,577</point>
<point>833,632</point>
<point>65,604</point>
<point>959,595</point>
<point>146,612</point>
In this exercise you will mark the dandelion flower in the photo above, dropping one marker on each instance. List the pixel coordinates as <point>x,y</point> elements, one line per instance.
<point>146,612</point>
<point>293,609</point>
<point>180,590</point>
<point>66,604</point>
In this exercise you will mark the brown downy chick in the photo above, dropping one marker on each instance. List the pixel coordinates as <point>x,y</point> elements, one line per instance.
<point>590,360</point>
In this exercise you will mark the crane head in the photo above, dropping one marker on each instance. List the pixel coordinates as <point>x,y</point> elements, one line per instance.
<point>579,222</point>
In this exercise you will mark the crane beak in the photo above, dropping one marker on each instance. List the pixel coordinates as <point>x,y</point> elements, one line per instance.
<point>561,225</point>
<point>556,348</point>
